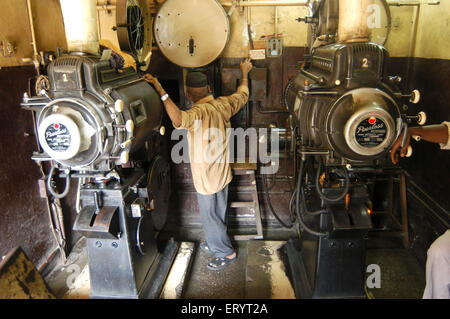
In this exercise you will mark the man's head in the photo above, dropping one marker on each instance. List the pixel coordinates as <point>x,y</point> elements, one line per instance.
<point>197,86</point>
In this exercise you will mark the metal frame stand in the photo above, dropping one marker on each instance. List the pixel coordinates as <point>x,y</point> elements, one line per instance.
<point>332,266</point>
<point>124,260</point>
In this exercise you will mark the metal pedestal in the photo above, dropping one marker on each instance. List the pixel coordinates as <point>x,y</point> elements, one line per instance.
<point>122,251</point>
<point>332,266</point>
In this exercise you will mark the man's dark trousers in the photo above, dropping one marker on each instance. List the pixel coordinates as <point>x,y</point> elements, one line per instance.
<point>213,211</point>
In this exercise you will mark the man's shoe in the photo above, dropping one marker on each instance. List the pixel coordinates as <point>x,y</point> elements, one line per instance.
<point>219,263</point>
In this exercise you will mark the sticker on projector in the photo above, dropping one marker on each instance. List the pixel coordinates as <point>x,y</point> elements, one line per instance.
<point>371,135</point>
<point>58,137</point>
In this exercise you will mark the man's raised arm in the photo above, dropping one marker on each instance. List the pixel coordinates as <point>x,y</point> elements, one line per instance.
<point>238,99</point>
<point>172,110</point>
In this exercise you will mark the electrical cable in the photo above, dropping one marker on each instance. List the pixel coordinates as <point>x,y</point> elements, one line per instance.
<point>297,205</point>
<point>273,182</point>
<point>260,110</point>
<point>304,205</point>
<point>50,187</point>
<point>305,209</point>
<point>319,189</point>
<point>292,205</point>
<point>42,83</point>
<point>266,191</point>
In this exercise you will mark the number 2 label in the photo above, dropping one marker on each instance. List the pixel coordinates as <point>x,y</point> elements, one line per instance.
<point>365,63</point>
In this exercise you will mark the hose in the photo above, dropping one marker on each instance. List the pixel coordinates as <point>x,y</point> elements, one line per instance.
<point>273,182</point>
<point>303,202</point>
<point>292,203</point>
<point>266,191</point>
<point>304,206</point>
<point>42,83</point>
<point>50,187</point>
<point>305,209</point>
<point>319,189</point>
<point>297,205</point>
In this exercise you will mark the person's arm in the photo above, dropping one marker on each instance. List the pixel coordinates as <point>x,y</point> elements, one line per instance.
<point>238,99</point>
<point>172,110</point>
<point>246,67</point>
<point>429,133</point>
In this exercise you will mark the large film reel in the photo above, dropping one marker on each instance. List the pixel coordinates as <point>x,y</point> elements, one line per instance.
<point>158,190</point>
<point>134,32</point>
<point>191,33</point>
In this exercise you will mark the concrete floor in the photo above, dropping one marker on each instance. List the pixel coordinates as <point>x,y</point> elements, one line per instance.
<point>258,272</point>
<point>401,275</point>
<point>71,280</point>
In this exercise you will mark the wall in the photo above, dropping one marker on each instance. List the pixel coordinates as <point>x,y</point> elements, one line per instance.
<point>433,31</point>
<point>263,24</point>
<point>15,27</point>
<point>50,32</point>
<point>24,219</point>
<point>423,61</point>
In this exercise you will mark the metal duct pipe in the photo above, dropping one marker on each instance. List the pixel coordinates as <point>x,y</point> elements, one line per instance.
<point>80,23</point>
<point>264,3</point>
<point>353,17</point>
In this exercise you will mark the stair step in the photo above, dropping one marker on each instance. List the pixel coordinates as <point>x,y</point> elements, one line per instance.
<point>242,204</point>
<point>244,188</point>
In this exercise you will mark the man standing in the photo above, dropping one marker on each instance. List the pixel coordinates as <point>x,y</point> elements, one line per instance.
<point>438,255</point>
<point>207,123</point>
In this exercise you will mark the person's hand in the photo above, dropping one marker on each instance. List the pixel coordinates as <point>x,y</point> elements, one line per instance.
<point>397,145</point>
<point>246,66</point>
<point>152,80</point>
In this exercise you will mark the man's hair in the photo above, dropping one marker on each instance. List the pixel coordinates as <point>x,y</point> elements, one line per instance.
<point>198,93</point>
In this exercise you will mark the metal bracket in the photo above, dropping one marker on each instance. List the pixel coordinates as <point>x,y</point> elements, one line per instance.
<point>7,48</point>
<point>234,5</point>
